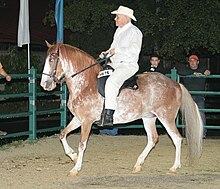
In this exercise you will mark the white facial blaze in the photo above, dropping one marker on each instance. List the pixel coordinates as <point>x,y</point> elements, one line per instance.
<point>46,82</point>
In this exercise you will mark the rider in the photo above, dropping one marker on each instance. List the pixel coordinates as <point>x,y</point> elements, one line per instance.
<point>124,50</point>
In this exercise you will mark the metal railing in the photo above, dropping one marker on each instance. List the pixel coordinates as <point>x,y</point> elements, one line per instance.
<point>205,93</point>
<point>32,97</point>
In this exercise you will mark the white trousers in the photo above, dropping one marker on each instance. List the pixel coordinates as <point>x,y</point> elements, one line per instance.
<point>122,72</point>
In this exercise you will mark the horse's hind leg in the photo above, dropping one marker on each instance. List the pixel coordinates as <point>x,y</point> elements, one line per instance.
<point>150,128</point>
<point>85,130</point>
<point>74,124</point>
<point>177,141</point>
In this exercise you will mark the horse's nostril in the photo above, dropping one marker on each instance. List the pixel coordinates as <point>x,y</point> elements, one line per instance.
<point>48,83</point>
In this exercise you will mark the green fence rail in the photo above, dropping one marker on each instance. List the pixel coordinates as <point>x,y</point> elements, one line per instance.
<point>33,96</point>
<point>205,93</point>
<point>32,113</point>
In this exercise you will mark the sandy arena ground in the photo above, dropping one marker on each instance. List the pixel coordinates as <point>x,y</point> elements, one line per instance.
<point>108,164</point>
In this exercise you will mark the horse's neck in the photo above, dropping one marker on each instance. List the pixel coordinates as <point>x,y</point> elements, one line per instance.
<point>82,81</point>
<point>74,83</point>
<point>79,84</point>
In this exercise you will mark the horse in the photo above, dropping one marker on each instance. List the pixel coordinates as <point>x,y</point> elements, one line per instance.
<point>157,97</point>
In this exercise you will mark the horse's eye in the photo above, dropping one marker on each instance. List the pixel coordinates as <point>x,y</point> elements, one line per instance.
<point>51,59</point>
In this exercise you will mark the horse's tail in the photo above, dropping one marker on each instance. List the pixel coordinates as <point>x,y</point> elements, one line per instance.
<point>193,123</point>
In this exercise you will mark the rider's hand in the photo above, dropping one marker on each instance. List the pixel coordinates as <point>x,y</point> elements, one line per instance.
<point>102,54</point>
<point>107,53</point>
<point>111,51</point>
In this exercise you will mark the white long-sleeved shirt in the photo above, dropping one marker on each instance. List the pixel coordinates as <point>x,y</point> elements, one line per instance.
<point>127,42</point>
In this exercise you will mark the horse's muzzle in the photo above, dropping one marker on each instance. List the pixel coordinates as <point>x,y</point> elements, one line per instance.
<point>48,83</point>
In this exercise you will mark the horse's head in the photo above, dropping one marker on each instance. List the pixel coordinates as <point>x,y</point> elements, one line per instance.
<point>52,72</point>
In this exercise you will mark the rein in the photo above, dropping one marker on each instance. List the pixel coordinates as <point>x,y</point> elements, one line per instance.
<point>98,61</point>
<point>52,75</point>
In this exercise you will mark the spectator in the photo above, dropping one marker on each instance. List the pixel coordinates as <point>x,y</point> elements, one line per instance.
<point>155,65</point>
<point>8,78</point>
<point>196,84</point>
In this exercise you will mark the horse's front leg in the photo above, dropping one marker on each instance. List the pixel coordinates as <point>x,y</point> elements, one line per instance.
<point>85,130</point>
<point>74,124</point>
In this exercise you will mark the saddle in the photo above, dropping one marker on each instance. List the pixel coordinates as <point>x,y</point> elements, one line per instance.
<point>130,83</point>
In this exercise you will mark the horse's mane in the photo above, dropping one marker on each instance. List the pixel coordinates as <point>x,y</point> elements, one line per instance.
<point>79,60</point>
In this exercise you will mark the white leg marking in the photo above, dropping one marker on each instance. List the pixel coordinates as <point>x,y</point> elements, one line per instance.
<point>68,150</point>
<point>149,125</point>
<point>74,124</point>
<point>177,141</point>
<point>78,165</point>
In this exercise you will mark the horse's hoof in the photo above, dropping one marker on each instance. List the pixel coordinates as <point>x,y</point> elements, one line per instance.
<point>73,173</point>
<point>136,169</point>
<point>172,171</point>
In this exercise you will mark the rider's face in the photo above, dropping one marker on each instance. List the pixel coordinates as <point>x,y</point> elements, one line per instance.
<point>121,20</point>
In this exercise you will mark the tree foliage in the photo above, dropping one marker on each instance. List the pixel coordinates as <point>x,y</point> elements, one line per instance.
<point>15,61</point>
<point>84,16</point>
<point>188,26</point>
<point>172,27</point>
<point>89,22</point>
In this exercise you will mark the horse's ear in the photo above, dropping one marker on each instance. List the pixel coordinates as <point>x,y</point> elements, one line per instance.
<point>60,43</point>
<point>48,44</point>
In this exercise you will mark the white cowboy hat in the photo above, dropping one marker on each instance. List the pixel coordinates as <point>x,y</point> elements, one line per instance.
<point>125,11</point>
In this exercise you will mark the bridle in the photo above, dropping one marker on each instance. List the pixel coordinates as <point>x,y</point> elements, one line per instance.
<point>57,59</point>
<point>54,57</point>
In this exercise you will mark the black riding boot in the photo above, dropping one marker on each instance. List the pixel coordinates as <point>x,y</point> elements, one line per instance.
<point>107,118</point>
